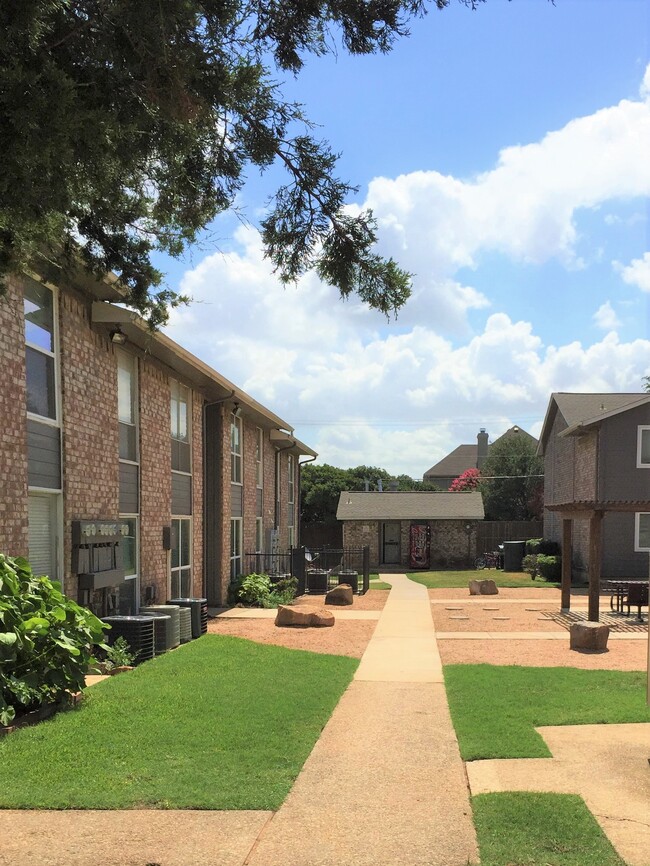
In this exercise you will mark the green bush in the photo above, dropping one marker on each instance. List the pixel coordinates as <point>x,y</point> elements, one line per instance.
<point>529,565</point>
<point>532,546</point>
<point>542,545</point>
<point>46,640</point>
<point>255,589</point>
<point>550,567</point>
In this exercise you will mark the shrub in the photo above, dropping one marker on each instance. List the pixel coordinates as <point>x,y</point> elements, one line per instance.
<point>542,545</point>
<point>529,564</point>
<point>46,641</point>
<point>255,589</point>
<point>283,591</point>
<point>118,655</point>
<point>550,567</point>
<point>532,546</point>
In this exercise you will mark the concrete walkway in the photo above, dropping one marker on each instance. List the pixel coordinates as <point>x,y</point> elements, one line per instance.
<point>384,784</point>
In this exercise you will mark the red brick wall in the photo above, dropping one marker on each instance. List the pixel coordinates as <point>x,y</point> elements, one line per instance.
<point>90,431</point>
<point>13,436</point>
<point>197,495</point>
<point>155,476</point>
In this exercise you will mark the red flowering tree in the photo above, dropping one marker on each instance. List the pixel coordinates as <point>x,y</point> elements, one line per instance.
<point>469,480</point>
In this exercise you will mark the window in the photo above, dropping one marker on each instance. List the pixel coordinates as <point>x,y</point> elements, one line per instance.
<point>127,591</point>
<point>235,547</point>
<point>181,558</point>
<point>643,448</point>
<point>259,458</point>
<point>180,428</point>
<point>235,449</point>
<point>259,535</point>
<point>642,532</point>
<point>292,536</point>
<point>126,406</point>
<point>42,534</point>
<point>40,350</point>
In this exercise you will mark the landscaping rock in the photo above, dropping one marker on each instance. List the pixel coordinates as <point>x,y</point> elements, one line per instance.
<point>483,587</point>
<point>303,617</point>
<point>588,636</point>
<point>341,594</point>
<point>322,619</point>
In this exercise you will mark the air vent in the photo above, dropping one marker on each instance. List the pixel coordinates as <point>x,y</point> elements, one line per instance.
<point>199,613</point>
<point>167,610</point>
<point>137,631</point>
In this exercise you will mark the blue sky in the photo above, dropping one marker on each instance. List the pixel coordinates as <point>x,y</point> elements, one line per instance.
<point>505,154</point>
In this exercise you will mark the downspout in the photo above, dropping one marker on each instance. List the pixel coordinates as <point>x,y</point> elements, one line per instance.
<point>204,579</point>
<point>300,465</point>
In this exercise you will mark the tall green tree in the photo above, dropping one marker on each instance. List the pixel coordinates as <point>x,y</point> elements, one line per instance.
<point>511,484</point>
<point>322,484</point>
<point>126,126</point>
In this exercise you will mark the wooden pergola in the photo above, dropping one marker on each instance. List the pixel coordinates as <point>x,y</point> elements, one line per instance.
<point>593,511</point>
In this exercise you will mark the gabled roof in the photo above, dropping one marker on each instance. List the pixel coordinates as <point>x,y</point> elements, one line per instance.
<point>454,464</point>
<point>356,505</point>
<point>466,456</point>
<point>581,411</point>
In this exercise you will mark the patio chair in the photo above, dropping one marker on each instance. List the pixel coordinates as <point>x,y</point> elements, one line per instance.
<point>636,596</point>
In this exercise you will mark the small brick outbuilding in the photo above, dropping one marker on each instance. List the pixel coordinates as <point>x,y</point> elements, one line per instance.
<point>414,530</point>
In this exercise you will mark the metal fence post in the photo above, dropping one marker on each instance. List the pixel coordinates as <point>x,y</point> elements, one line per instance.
<point>366,568</point>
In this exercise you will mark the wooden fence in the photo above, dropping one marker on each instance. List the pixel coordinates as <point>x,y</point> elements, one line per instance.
<point>491,533</point>
<point>321,535</point>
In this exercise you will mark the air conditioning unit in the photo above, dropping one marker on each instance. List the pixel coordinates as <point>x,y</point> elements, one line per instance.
<point>137,631</point>
<point>199,613</point>
<point>173,612</point>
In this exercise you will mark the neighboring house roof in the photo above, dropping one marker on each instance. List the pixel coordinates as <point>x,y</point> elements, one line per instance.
<point>466,456</point>
<point>454,464</point>
<point>356,505</point>
<point>581,411</point>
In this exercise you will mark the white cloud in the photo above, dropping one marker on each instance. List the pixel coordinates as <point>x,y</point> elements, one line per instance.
<point>605,317</point>
<point>402,396</point>
<point>637,273</point>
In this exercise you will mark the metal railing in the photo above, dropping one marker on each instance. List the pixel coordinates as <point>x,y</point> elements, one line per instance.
<point>317,569</point>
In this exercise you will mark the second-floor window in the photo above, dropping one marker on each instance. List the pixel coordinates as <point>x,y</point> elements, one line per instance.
<point>643,448</point>
<point>235,449</point>
<point>40,350</point>
<point>180,428</point>
<point>126,406</point>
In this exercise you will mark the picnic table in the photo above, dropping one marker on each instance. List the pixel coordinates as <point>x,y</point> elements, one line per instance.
<point>622,593</point>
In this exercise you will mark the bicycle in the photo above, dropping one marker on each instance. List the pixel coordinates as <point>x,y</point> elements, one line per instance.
<point>493,559</point>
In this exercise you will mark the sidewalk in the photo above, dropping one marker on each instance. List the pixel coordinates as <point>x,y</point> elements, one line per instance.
<point>384,784</point>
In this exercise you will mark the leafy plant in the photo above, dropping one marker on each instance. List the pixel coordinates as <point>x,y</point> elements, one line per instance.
<point>255,589</point>
<point>550,567</point>
<point>529,564</point>
<point>46,640</point>
<point>542,545</point>
<point>118,655</point>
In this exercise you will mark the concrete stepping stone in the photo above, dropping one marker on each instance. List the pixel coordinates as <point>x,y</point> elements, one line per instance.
<point>458,617</point>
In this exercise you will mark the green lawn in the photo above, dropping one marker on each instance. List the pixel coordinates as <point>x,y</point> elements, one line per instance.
<point>458,579</point>
<point>379,584</point>
<point>495,709</point>
<point>539,830</point>
<point>222,723</point>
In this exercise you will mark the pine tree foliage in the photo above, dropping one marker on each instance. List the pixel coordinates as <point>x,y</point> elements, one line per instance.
<point>128,125</point>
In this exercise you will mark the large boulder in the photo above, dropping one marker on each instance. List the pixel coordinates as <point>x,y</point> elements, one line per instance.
<point>341,594</point>
<point>303,617</point>
<point>588,636</point>
<point>483,587</point>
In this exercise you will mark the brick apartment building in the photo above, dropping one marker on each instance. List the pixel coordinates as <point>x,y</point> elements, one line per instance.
<point>131,470</point>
